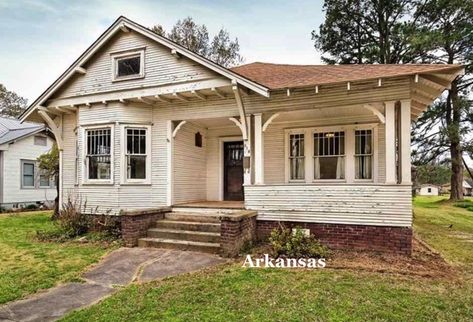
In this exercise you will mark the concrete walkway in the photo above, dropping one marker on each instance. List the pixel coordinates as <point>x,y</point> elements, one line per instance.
<point>119,268</point>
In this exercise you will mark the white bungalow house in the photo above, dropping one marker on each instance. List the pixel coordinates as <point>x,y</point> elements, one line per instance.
<point>428,190</point>
<point>144,123</point>
<point>21,182</point>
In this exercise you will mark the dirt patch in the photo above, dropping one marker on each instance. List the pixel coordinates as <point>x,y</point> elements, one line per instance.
<point>424,261</point>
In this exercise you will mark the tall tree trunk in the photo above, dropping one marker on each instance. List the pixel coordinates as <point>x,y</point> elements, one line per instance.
<point>456,192</point>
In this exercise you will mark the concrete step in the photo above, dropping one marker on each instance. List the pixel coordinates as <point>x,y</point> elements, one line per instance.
<point>188,225</point>
<point>193,217</point>
<point>203,210</point>
<point>189,235</point>
<point>213,248</point>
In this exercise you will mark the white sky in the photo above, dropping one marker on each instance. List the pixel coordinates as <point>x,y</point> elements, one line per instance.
<point>40,39</point>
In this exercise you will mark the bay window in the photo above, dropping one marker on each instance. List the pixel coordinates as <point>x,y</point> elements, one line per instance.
<point>296,157</point>
<point>98,153</point>
<point>329,155</point>
<point>363,154</point>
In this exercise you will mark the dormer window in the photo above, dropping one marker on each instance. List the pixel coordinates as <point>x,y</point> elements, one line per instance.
<point>128,65</point>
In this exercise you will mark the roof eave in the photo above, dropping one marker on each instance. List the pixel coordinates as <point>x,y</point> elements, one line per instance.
<point>118,26</point>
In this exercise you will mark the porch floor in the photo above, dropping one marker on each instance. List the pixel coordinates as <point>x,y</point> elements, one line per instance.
<point>213,204</point>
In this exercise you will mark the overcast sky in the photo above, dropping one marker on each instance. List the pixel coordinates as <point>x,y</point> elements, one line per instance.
<point>40,39</point>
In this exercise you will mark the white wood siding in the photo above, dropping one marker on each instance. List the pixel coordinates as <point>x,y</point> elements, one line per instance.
<point>161,68</point>
<point>190,165</point>
<point>24,149</point>
<point>380,205</point>
<point>424,191</point>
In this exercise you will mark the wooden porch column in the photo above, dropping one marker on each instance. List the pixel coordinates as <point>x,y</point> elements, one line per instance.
<point>259,149</point>
<point>405,142</point>
<point>390,141</point>
<point>169,168</point>
<point>248,151</point>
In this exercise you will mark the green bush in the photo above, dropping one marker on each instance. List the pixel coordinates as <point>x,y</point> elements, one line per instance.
<point>295,244</point>
<point>31,207</point>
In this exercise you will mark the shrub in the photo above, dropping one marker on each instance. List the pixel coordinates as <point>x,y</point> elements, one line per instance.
<point>72,220</point>
<point>295,244</point>
<point>31,207</point>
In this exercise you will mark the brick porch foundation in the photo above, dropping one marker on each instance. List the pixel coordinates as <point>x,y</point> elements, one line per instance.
<point>338,236</point>
<point>236,230</point>
<point>135,223</point>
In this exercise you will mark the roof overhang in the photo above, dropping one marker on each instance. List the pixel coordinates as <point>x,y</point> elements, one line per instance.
<point>123,24</point>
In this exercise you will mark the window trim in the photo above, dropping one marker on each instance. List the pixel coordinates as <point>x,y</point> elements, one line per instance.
<point>123,162</point>
<point>128,54</point>
<point>26,161</point>
<point>85,168</point>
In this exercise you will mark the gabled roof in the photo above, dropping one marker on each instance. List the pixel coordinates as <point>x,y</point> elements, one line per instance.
<point>13,129</point>
<point>280,76</point>
<point>123,23</point>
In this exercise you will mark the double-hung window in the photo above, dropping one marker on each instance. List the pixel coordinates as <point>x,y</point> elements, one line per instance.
<point>98,153</point>
<point>136,154</point>
<point>44,180</point>
<point>28,174</point>
<point>363,154</point>
<point>329,155</point>
<point>296,157</point>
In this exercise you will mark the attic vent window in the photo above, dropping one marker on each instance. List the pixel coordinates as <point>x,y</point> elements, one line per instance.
<point>129,65</point>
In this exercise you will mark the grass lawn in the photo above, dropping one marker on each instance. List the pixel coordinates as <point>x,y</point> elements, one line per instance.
<point>28,265</point>
<point>232,293</point>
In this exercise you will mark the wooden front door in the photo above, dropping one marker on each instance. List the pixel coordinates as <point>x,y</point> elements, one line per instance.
<point>233,170</point>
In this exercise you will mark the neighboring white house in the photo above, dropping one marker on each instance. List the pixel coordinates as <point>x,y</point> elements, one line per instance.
<point>142,123</point>
<point>428,190</point>
<point>21,182</point>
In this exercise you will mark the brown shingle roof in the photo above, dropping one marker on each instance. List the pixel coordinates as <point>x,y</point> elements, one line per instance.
<point>278,76</point>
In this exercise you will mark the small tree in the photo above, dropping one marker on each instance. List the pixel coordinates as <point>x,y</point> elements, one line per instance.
<point>11,104</point>
<point>187,33</point>
<point>49,164</point>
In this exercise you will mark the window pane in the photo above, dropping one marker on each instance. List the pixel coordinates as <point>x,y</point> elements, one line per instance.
<point>297,169</point>
<point>28,169</point>
<point>329,168</point>
<point>329,143</point>
<point>363,167</point>
<point>43,181</point>
<point>128,66</point>
<point>40,140</point>
<point>99,167</point>
<point>136,167</point>
<point>296,157</point>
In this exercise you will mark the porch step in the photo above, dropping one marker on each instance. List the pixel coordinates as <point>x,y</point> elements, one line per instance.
<point>188,235</point>
<point>203,210</point>
<point>179,244</point>
<point>193,217</point>
<point>188,225</point>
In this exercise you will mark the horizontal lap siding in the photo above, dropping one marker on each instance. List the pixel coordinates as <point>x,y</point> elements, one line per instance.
<point>189,165</point>
<point>381,205</point>
<point>161,68</point>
